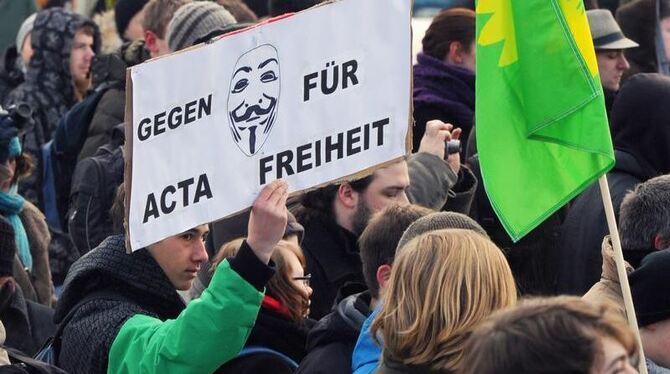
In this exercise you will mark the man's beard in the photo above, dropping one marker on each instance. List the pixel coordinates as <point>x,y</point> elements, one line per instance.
<point>361,216</point>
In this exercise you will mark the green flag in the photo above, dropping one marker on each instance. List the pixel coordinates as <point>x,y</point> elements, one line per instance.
<point>542,131</point>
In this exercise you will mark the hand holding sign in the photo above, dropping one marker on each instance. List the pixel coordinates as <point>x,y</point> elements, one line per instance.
<point>268,219</point>
<point>212,125</point>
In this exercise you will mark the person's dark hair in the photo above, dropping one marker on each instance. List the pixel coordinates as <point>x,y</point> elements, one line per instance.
<point>91,29</point>
<point>451,25</point>
<point>645,213</point>
<point>87,29</point>
<point>380,238</point>
<point>322,199</point>
<point>118,210</point>
<point>546,335</point>
<point>279,7</point>
<point>239,10</point>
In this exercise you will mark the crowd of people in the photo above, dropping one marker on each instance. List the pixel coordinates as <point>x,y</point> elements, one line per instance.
<point>407,270</point>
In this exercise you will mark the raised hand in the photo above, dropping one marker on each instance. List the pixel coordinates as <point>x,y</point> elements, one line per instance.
<point>267,222</point>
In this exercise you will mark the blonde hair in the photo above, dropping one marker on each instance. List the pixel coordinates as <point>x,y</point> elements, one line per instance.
<point>443,284</point>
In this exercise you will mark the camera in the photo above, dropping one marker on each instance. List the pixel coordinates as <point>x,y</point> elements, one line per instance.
<point>453,146</point>
<point>18,115</point>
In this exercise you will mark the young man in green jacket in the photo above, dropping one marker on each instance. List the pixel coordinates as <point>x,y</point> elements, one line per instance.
<point>133,320</point>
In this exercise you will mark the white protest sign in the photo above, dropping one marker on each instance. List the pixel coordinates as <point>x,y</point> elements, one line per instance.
<point>309,98</point>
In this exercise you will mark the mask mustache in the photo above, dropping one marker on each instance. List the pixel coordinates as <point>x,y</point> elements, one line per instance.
<point>256,110</point>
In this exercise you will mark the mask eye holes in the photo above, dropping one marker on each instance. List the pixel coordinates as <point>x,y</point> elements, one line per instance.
<point>268,76</point>
<point>240,85</point>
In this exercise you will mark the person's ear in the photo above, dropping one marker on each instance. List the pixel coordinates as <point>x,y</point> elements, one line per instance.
<point>347,196</point>
<point>383,276</point>
<point>660,242</point>
<point>455,53</point>
<point>150,42</point>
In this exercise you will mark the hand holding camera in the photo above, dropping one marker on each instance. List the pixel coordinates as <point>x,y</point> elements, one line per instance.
<point>443,141</point>
<point>11,121</point>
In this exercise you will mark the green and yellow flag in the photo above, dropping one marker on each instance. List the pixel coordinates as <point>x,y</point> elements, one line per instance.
<point>542,131</point>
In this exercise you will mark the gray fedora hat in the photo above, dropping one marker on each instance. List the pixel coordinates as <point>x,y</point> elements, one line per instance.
<point>605,32</point>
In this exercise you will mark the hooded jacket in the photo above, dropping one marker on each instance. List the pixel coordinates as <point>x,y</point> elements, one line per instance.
<point>642,151</point>
<point>333,338</point>
<point>48,86</point>
<point>150,330</point>
<point>367,353</point>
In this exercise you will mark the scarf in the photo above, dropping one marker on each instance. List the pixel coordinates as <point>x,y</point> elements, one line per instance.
<point>11,205</point>
<point>451,86</point>
<point>275,305</point>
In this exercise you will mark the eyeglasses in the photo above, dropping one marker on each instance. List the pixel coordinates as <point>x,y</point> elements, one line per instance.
<point>305,280</point>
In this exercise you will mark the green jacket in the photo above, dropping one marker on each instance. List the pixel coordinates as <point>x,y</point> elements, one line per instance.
<point>137,323</point>
<point>195,342</point>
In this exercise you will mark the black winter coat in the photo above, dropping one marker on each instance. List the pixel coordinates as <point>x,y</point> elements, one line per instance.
<point>333,338</point>
<point>585,227</point>
<point>641,137</point>
<point>332,257</point>
<point>28,324</point>
<point>137,278</point>
<point>274,331</point>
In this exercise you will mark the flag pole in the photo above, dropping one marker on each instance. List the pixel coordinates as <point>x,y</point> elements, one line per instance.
<point>621,267</point>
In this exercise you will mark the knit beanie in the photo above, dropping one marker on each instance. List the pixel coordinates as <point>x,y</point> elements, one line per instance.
<point>124,11</point>
<point>7,247</point>
<point>25,29</point>
<point>194,20</point>
<point>439,221</point>
<point>650,286</point>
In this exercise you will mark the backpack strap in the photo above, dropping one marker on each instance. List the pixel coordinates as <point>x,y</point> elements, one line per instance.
<point>21,363</point>
<point>252,350</point>
<point>55,340</point>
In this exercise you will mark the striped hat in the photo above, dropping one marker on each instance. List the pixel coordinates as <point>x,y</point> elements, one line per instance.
<point>194,20</point>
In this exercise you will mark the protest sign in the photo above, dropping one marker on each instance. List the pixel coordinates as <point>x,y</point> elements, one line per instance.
<point>310,98</point>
